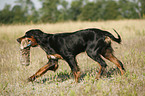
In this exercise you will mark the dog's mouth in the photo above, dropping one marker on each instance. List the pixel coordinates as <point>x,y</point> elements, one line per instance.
<point>25,46</point>
<point>25,43</point>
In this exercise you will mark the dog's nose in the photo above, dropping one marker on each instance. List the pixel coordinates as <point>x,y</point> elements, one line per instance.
<point>19,40</point>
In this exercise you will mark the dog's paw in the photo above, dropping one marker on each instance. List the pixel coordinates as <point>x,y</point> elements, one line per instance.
<point>31,79</point>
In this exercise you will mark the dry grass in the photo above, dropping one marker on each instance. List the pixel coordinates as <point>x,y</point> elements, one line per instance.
<point>13,76</point>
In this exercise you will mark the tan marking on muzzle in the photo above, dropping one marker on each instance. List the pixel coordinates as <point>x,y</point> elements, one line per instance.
<point>33,41</point>
<point>28,42</point>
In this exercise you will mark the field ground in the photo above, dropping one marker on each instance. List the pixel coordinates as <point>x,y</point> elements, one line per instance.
<point>13,76</point>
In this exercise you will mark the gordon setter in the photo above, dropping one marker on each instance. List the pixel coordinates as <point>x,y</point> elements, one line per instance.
<point>66,46</point>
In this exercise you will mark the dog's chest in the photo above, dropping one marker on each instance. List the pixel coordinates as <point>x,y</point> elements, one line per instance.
<point>48,49</point>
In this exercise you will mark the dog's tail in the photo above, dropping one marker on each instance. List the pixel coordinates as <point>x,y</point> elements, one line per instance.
<point>118,40</point>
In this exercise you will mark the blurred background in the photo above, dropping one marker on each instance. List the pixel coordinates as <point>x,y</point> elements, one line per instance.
<point>52,11</point>
<point>59,16</point>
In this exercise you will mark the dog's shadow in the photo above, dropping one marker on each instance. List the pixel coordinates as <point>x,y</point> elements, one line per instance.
<point>61,77</point>
<point>107,74</point>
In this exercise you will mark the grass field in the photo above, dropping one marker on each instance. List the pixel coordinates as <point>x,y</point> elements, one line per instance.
<point>13,76</point>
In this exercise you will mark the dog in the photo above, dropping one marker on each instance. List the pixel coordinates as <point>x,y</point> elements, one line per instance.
<point>95,42</point>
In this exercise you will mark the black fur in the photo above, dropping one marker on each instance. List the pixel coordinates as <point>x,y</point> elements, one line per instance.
<point>68,45</point>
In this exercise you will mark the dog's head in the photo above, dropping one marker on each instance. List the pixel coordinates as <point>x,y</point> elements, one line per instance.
<point>30,38</point>
<point>27,41</point>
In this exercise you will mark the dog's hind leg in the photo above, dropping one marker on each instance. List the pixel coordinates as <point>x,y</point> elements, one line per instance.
<point>101,62</point>
<point>109,55</point>
<point>103,66</point>
<point>93,51</point>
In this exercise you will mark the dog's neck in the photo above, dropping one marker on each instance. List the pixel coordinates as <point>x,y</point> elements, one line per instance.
<point>45,40</point>
<point>48,50</point>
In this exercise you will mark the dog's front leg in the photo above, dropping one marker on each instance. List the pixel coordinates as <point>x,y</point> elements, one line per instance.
<point>51,65</point>
<point>54,56</point>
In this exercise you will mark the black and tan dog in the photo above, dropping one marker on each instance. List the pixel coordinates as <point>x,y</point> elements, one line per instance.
<point>94,42</point>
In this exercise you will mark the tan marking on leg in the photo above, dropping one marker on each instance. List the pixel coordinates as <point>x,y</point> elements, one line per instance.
<point>43,70</point>
<point>56,66</point>
<point>98,75</point>
<point>57,56</point>
<point>107,39</point>
<point>39,73</point>
<point>77,76</point>
<point>113,59</point>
